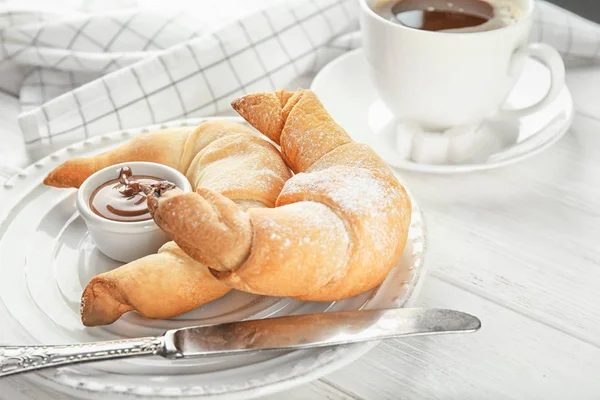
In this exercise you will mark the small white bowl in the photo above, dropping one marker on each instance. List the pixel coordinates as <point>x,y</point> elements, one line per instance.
<point>126,241</point>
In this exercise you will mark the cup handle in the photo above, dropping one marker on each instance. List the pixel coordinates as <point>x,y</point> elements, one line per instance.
<point>548,56</point>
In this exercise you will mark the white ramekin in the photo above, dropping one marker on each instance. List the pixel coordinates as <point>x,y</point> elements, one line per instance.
<point>126,241</point>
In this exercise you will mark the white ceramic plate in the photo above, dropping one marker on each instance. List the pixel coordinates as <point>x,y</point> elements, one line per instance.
<point>346,90</point>
<point>47,257</point>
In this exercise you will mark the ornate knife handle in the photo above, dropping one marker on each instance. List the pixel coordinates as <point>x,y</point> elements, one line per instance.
<point>18,359</point>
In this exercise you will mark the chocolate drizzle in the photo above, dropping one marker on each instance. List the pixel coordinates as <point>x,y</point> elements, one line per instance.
<point>125,198</point>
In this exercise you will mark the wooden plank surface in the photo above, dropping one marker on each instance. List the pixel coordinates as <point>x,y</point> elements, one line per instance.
<point>525,236</point>
<point>511,357</point>
<point>518,246</point>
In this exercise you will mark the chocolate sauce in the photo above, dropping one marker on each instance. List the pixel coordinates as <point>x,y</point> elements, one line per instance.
<point>124,199</point>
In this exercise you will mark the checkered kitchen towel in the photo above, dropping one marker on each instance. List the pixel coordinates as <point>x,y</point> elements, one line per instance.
<point>93,71</point>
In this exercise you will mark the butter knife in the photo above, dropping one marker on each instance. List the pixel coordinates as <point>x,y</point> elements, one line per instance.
<point>281,333</point>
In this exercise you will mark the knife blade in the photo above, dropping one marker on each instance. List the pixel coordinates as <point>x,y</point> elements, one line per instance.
<point>281,333</point>
<point>314,330</point>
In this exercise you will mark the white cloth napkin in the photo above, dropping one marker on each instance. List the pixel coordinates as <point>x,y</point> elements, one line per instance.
<point>94,70</point>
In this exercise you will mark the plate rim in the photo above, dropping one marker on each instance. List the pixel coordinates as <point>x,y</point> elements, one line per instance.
<point>339,357</point>
<point>320,80</point>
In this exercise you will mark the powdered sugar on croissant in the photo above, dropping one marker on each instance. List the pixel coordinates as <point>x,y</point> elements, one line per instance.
<point>339,226</point>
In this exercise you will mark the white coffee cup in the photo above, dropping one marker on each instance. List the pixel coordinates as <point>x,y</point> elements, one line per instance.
<point>442,80</point>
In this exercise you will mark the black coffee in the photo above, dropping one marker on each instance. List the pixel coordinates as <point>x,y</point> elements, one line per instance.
<point>444,15</point>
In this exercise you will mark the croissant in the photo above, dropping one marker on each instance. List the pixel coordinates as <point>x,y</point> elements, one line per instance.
<point>161,285</point>
<point>338,227</point>
<point>226,157</point>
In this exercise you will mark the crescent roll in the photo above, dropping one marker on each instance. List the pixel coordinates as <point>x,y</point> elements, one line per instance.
<point>338,227</point>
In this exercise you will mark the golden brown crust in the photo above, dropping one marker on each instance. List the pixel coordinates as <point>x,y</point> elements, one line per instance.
<point>289,247</point>
<point>160,285</point>
<point>380,229</point>
<point>102,302</point>
<point>209,219</point>
<point>207,133</point>
<point>163,147</point>
<point>263,117</point>
<point>175,147</point>
<point>302,127</point>
<point>339,226</point>
<point>376,212</point>
<point>241,167</point>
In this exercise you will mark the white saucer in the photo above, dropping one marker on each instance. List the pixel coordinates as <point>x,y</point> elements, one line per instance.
<point>345,89</point>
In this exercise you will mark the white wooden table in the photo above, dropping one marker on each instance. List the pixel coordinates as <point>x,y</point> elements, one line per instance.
<point>519,247</point>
